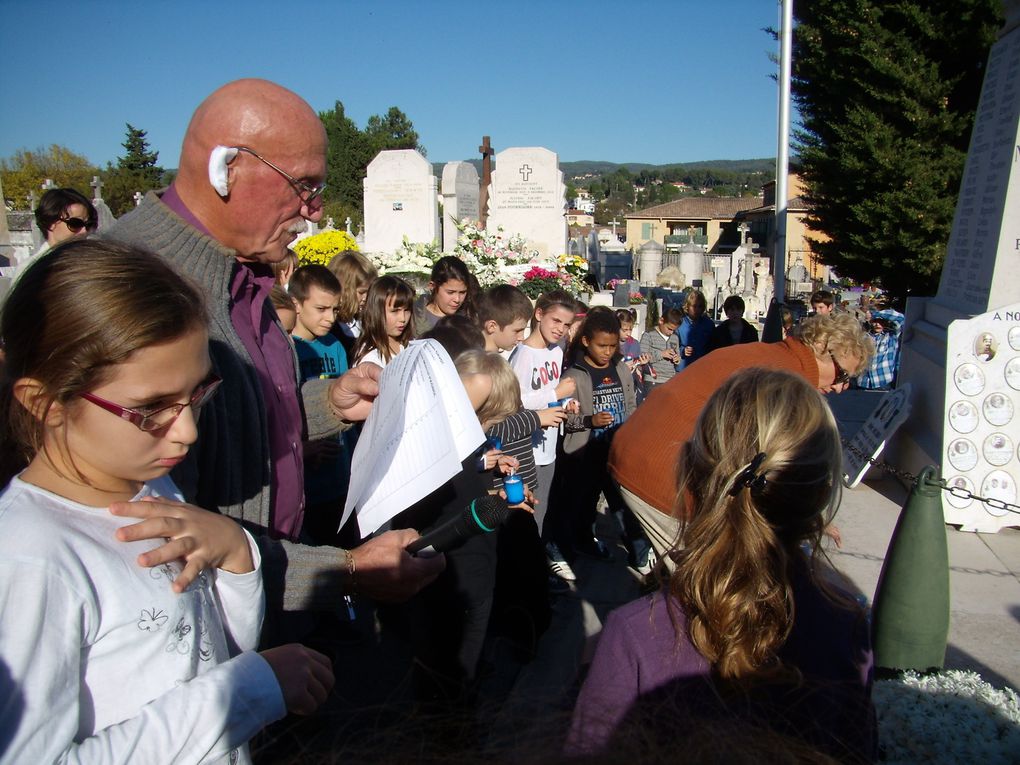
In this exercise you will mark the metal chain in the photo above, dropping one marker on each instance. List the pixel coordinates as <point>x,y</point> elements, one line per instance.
<point>957,491</point>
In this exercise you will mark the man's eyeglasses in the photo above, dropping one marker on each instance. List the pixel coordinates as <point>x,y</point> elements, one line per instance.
<point>160,418</point>
<point>74,225</point>
<point>306,192</point>
<point>842,376</point>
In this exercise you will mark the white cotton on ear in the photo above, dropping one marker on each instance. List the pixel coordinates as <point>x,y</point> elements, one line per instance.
<point>219,157</point>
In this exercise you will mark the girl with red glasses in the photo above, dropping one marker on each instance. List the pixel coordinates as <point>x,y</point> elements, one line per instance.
<point>115,650</point>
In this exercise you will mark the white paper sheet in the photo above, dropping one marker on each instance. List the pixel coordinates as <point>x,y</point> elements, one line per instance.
<point>421,428</point>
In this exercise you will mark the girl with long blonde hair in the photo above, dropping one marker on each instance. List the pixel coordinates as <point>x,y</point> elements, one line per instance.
<point>748,629</point>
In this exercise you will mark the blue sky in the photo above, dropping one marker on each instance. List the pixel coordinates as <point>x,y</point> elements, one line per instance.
<point>639,81</point>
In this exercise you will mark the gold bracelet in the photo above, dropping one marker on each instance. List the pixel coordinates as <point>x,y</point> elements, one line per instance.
<point>351,568</point>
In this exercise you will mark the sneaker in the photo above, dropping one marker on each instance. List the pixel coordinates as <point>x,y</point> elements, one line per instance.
<point>594,548</point>
<point>558,565</point>
<point>646,562</point>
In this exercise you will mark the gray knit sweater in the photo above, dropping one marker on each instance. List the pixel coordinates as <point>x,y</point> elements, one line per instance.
<point>228,469</point>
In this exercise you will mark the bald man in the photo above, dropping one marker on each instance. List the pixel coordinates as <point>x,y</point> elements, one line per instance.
<point>251,174</point>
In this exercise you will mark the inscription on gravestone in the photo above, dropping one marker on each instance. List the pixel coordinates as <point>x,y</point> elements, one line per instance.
<point>400,200</point>
<point>527,197</point>
<point>986,215</point>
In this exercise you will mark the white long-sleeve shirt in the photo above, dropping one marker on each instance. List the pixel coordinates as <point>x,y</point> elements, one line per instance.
<point>101,662</point>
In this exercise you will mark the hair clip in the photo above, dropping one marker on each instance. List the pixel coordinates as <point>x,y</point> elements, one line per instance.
<point>749,477</point>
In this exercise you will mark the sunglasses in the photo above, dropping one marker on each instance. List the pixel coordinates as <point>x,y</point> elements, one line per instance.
<point>842,376</point>
<point>160,418</point>
<point>74,225</point>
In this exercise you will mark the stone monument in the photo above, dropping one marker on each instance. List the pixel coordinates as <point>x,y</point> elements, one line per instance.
<point>400,200</point>
<point>460,199</point>
<point>104,215</point>
<point>528,197</point>
<point>963,345</point>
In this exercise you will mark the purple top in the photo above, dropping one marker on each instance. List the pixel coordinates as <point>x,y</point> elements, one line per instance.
<point>642,681</point>
<point>254,320</point>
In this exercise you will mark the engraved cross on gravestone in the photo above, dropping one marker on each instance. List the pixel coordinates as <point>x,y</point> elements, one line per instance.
<point>525,171</point>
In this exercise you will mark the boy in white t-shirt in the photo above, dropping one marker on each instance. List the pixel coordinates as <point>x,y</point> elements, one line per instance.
<point>538,364</point>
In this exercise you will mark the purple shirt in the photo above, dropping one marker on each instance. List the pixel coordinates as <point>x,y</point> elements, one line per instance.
<point>644,681</point>
<point>254,320</point>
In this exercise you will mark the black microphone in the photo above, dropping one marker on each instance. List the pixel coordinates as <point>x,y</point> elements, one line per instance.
<point>482,516</point>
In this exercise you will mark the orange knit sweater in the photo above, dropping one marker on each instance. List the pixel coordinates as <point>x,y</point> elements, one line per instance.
<point>645,449</point>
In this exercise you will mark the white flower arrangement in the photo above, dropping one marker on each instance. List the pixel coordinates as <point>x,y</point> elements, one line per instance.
<point>947,717</point>
<point>494,257</point>
<point>411,258</point>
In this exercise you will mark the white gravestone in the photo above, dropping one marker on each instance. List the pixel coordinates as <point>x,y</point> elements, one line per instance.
<point>460,199</point>
<point>981,274</point>
<point>981,441</point>
<point>527,196</point>
<point>400,200</point>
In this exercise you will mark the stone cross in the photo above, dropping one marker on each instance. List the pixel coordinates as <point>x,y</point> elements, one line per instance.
<point>743,228</point>
<point>32,201</point>
<point>690,234</point>
<point>97,188</point>
<point>525,171</point>
<point>138,197</point>
<point>47,185</point>
<point>348,223</point>
<point>614,223</point>
<point>483,203</point>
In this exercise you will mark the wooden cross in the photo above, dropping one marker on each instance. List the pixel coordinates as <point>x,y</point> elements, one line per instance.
<point>483,200</point>
<point>97,186</point>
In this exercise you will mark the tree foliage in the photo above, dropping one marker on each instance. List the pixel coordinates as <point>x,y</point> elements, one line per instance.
<point>350,151</point>
<point>887,93</point>
<point>25,172</point>
<point>135,171</point>
<point>394,131</point>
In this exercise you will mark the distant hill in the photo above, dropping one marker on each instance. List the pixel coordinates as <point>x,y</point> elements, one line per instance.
<point>582,167</point>
<point>731,165</point>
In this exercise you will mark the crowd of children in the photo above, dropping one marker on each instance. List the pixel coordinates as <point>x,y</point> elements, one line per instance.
<point>551,383</point>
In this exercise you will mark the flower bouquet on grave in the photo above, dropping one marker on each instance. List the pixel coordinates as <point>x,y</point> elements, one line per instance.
<point>322,247</point>
<point>410,258</point>
<point>538,280</point>
<point>573,270</point>
<point>494,257</point>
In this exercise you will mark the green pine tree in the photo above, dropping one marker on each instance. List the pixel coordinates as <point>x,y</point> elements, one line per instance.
<point>887,92</point>
<point>136,171</point>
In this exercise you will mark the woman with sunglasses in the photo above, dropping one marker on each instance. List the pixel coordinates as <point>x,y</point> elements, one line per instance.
<point>64,214</point>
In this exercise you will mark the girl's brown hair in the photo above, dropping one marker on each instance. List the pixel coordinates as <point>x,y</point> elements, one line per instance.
<point>373,317</point>
<point>79,310</point>
<point>553,299</point>
<point>354,271</point>
<point>741,543</point>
